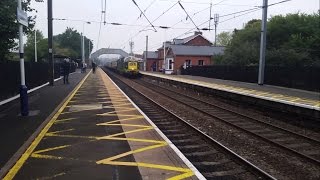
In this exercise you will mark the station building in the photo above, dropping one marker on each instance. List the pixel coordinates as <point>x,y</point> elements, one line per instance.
<point>182,53</point>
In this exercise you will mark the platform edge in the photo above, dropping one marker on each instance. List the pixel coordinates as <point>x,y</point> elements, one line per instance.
<point>172,146</point>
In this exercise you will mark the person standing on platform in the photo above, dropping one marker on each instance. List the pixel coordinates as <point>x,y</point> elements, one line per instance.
<point>93,67</point>
<point>66,71</point>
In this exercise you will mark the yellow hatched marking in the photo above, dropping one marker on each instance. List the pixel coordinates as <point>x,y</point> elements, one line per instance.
<point>114,113</point>
<point>128,132</point>
<point>114,106</point>
<point>127,125</point>
<point>54,176</point>
<point>89,109</point>
<point>70,136</point>
<point>156,144</point>
<point>51,149</point>
<point>14,170</point>
<point>56,132</point>
<point>46,156</point>
<point>105,161</point>
<point>64,120</point>
<point>130,139</point>
<point>137,117</point>
<point>186,172</point>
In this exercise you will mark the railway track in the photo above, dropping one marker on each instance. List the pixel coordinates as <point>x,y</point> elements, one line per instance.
<point>210,157</point>
<point>298,144</point>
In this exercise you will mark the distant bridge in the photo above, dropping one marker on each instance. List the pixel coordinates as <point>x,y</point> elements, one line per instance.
<point>102,51</point>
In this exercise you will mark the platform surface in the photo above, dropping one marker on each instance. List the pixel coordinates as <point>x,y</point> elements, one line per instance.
<point>99,134</point>
<point>295,97</point>
<point>16,129</point>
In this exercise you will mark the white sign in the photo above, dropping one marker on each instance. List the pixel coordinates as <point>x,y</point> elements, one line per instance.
<point>22,17</point>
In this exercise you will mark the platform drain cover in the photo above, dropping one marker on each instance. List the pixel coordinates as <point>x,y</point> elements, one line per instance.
<point>85,107</point>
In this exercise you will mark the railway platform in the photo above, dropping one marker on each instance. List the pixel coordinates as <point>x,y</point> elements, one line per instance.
<point>98,133</point>
<point>277,97</point>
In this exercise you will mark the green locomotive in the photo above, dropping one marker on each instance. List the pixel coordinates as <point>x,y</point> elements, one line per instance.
<point>128,66</point>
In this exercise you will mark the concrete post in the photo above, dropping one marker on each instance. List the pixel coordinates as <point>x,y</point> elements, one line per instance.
<point>263,42</point>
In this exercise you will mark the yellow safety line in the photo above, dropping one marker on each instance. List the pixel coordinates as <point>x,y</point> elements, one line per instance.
<point>14,170</point>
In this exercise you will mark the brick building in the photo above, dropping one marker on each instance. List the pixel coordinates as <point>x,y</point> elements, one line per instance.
<point>153,61</point>
<point>181,53</point>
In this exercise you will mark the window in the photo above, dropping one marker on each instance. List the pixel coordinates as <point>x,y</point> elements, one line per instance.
<point>188,63</point>
<point>170,64</point>
<point>200,62</point>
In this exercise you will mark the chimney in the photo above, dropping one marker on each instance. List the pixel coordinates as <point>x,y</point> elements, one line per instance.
<point>197,33</point>
<point>167,43</point>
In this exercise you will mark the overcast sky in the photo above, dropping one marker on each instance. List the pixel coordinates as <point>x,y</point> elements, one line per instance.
<point>125,12</point>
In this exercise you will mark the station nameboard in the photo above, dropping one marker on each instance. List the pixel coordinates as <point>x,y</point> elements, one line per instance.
<point>22,17</point>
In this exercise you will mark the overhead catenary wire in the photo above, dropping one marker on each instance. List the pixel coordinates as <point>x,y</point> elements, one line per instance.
<point>188,16</point>
<point>99,33</point>
<point>152,22</point>
<point>243,12</point>
<point>144,15</point>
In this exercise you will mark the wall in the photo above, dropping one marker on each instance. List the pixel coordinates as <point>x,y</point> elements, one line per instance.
<point>150,63</point>
<point>180,60</point>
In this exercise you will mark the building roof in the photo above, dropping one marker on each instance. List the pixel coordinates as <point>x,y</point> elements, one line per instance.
<point>151,54</point>
<point>189,38</point>
<point>196,50</point>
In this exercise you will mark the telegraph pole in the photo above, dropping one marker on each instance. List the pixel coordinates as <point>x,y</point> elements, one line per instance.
<point>23,20</point>
<point>263,42</point>
<point>50,44</point>
<point>145,62</point>
<point>216,21</point>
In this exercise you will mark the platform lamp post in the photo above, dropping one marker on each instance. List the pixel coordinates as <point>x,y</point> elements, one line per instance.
<point>22,18</point>
<point>82,41</point>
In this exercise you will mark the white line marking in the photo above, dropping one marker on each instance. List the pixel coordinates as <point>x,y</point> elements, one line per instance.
<point>164,137</point>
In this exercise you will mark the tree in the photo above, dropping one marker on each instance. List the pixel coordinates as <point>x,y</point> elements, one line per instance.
<point>71,39</point>
<point>67,44</point>
<point>9,27</point>
<point>224,38</point>
<point>292,40</point>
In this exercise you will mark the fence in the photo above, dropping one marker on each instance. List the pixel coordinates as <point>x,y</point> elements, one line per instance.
<point>36,74</point>
<point>306,78</point>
